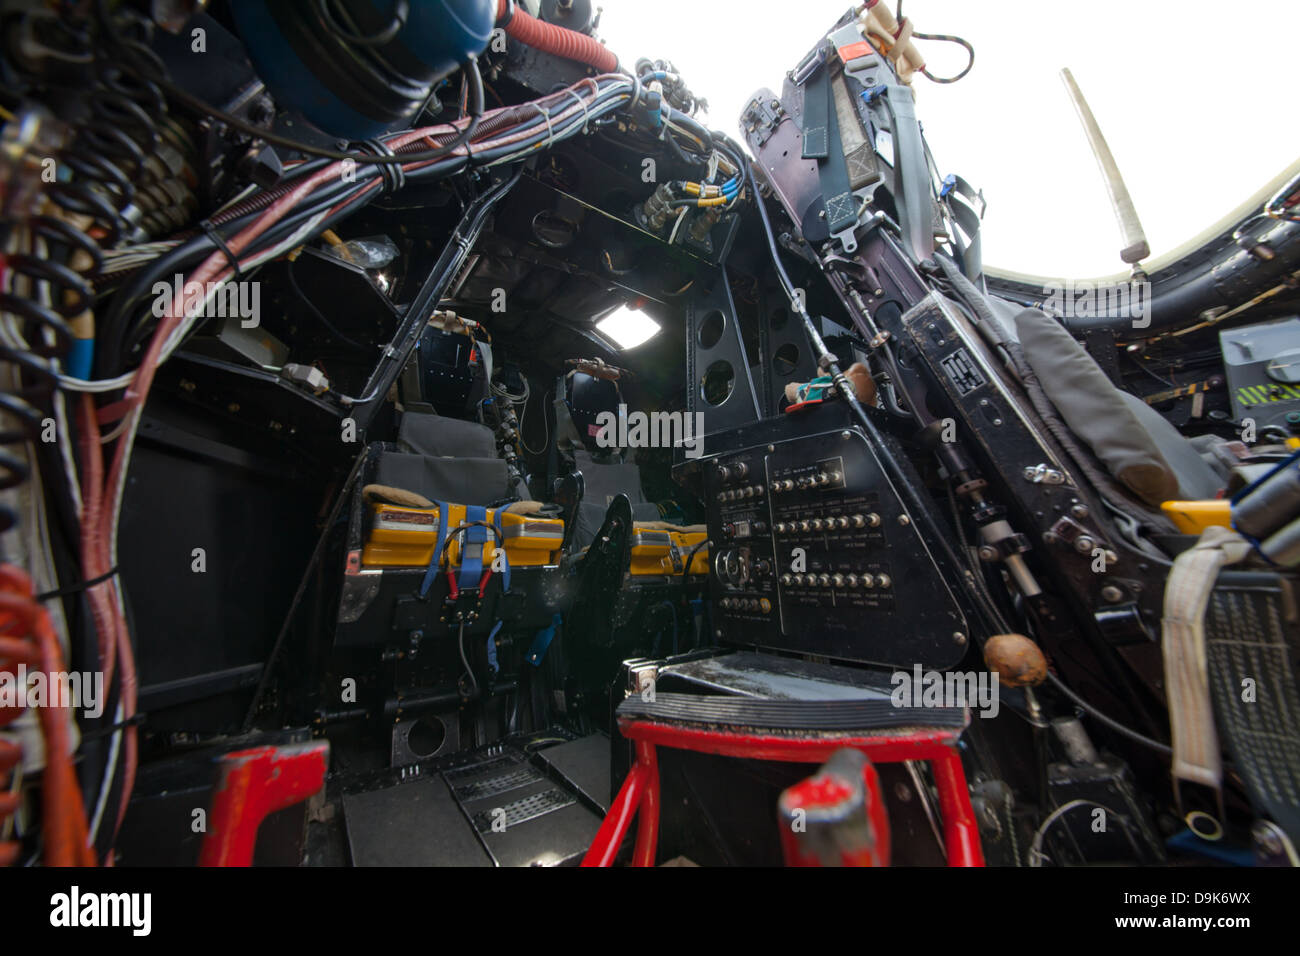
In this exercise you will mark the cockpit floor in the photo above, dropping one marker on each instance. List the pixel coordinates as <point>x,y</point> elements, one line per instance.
<point>511,804</point>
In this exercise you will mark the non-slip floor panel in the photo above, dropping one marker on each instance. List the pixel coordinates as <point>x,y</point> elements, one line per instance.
<point>497,807</point>
<point>412,824</point>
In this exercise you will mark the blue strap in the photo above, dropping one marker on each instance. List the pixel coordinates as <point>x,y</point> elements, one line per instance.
<point>537,650</point>
<point>471,548</point>
<point>492,647</point>
<point>432,572</point>
<point>869,96</point>
<point>501,549</point>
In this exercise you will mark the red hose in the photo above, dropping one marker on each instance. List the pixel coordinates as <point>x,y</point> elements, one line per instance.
<point>27,638</point>
<point>557,40</point>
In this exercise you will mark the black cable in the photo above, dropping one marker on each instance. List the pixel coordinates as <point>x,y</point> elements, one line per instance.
<point>400,12</point>
<point>1113,724</point>
<point>970,53</point>
<point>1159,378</point>
<point>686,571</point>
<point>683,157</point>
<point>469,671</point>
<point>75,588</point>
<point>118,342</point>
<point>474,78</point>
<point>320,316</point>
<point>119,345</point>
<point>476,90</point>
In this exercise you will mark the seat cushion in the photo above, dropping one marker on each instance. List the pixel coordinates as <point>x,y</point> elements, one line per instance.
<point>386,494</point>
<point>669,526</point>
<point>1094,409</point>
<point>469,481</point>
<point>1197,478</point>
<point>591,515</point>
<point>440,437</point>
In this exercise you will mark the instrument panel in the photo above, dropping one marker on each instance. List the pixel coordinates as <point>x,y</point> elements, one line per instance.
<point>814,552</point>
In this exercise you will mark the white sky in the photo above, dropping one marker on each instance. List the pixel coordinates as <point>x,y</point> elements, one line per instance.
<point>1193,97</point>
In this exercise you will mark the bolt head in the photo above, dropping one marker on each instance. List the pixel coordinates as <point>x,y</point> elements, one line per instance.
<point>1266,839</point>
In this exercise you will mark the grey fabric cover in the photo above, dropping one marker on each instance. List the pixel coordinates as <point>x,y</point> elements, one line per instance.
<point>1005,311</point>
<point>1197,479</point>
<point>591,515</point>
<point>441,437</point>
<point>1095,409</point>
<point>469,481</point>
<point>602,482</point>
<point>1218,453</point>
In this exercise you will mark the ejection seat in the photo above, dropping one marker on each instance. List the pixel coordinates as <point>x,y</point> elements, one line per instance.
<point>598,480</point>
<point>587,392</point>
<point>444,459</point>
<point>433,509</point>
<point>1140,448</point>
<point>639,577</point>
<point>1136,444</point>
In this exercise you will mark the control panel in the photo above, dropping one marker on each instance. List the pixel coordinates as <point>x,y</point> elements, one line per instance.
<point>814,552</point>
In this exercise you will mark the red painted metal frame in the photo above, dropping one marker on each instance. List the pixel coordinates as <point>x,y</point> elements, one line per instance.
<point>640,790</point>
<point>252,784</point>
<point>833,790</point>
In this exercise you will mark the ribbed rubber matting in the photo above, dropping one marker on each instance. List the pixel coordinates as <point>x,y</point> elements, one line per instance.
<point>1253,683</point>
<point>791,716</point>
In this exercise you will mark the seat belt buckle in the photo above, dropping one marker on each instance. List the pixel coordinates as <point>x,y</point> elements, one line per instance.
<point>674,555</point>
<point>854,50</point>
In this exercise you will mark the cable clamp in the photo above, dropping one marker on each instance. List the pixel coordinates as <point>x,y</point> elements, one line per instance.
<point>210,231</point>
<point>394,177</point>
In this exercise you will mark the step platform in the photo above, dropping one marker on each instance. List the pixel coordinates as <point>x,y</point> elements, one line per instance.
<point>532,803</point>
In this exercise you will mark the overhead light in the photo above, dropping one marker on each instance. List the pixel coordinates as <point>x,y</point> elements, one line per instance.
<point>628,327</point>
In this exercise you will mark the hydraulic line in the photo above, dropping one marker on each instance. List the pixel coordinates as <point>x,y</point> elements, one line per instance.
<point>550,38</point>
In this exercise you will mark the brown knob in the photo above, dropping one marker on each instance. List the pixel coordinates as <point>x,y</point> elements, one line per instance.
<point>1017,660</point>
